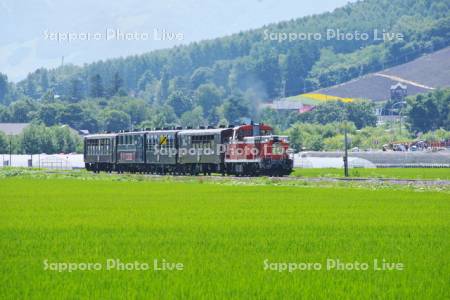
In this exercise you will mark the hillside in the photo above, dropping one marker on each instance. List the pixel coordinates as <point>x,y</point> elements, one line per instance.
<point>421,75</point>
<point>225,80</point>
<point>258,60</point>
<point>23,51</point>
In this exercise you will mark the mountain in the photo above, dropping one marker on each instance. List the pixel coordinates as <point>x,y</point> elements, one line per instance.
<point>25,48</point>
<point>225,79</point>
<point>261,62</point>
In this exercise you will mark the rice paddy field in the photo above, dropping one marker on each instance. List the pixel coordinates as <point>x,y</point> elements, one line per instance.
<point>233,240</point>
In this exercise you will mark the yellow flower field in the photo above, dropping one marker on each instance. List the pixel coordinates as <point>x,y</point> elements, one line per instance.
<point>324,97</point>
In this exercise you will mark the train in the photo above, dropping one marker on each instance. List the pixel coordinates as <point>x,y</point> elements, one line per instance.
<point>243,150</point>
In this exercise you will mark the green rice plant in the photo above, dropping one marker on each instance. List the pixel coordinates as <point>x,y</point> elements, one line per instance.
<point>224,235</point>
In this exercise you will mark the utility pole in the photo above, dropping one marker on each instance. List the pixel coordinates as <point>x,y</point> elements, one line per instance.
<point>10,150</point>
<point>400,110</point>
<point>345,150</point>
<point>283,89</point>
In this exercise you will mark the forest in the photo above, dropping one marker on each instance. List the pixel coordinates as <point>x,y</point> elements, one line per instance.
<point>224,80</point>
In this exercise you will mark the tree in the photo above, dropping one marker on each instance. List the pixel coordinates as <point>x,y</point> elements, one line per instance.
<point>179,102</point>
<point>201,76</point>
<point>115,120</point>
<point>4,143</point>
<point>64,139</point>
<point>361,113</point>
<point>426,112</point>
<point>328,112</point>
<point>234,109</point>
<point>267,70</point>
<point>298,62</point>
<point>50,113</point>
<point>4,114</point>
<point>76,90</point>
<point>208,96</point>
<point>116,84</point>
<point>72,115</point>
<point>193,118</point>
<point>4,86</point>
<point>90,121</point>
<point>163,86</point>
<point>96,88</point>
<point>136,108</point>
<point>296,137</point>
<point>37,138</point>
<point>44,84</point>
<point>31,89</point>
<point>20,110</point>
<point>145,79</point>
<point>164,116</point>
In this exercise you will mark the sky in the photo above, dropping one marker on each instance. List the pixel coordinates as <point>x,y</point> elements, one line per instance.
<point>36,33</point>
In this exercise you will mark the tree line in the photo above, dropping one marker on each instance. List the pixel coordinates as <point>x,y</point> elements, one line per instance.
<point>38,138</point>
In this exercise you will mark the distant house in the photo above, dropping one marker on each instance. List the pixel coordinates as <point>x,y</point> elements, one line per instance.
<point>81,132</point>
<point>307,108</point>
<point>17,128</point>
<point>399,92</point>
<point>290,105</point>
<point>13,128</point>
<point>286,105</point>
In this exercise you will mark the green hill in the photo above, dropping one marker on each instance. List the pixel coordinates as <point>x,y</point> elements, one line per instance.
<point>226,78</point>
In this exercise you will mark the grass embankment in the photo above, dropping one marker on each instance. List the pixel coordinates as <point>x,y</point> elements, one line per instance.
<point>396,173</point>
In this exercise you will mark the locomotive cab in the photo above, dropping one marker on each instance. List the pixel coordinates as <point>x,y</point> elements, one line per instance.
<point>255,150</point>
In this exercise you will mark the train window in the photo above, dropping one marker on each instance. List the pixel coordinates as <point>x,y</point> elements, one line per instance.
<point>202,141</point>
<point>243,133</point>
<point>266,132</point>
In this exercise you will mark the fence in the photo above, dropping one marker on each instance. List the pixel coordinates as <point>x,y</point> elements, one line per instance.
<point>54,161</point>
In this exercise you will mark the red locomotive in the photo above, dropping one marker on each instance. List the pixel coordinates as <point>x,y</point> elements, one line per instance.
<point>254,150</point>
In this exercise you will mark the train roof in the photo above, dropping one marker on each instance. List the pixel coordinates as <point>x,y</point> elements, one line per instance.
<point>149,131</point>
<point>203,131</point>
<point>100,135</point>
<point>250,126</point>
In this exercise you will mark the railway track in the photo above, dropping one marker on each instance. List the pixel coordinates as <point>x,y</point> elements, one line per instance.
<point>422,182</point>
